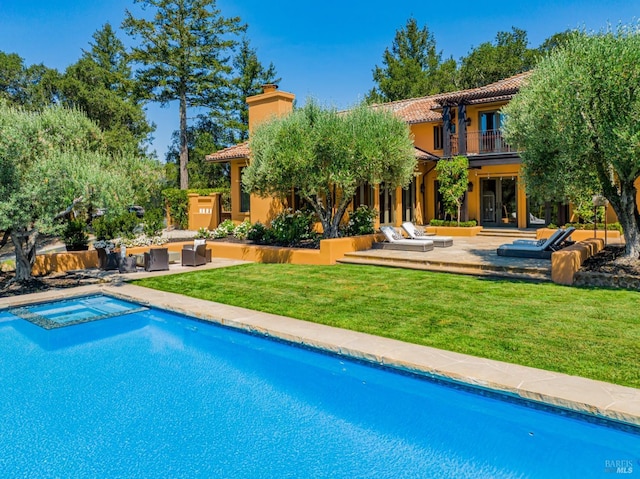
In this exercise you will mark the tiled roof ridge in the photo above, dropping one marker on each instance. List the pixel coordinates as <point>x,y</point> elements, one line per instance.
<point>510,84</point>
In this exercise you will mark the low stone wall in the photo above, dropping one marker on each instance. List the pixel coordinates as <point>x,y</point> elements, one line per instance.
<point>566,262</point>
<point>330,251</point>
<point>59,262</point>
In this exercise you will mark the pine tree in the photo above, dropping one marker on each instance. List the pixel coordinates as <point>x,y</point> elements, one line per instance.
<point>412,68</point>
<point>101,85</point>
<point>184,55</point>
<point>250,77</point>
<point>491,62</point>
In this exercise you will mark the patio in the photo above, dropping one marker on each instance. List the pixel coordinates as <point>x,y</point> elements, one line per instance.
<point>474,255</point>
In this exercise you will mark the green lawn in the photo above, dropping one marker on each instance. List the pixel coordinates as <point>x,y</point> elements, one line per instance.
<point>593,333</point>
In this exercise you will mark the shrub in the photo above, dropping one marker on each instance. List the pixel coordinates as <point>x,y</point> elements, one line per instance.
<point>202,233</point>
<point>292,227</point>
<point>109,227</point>
<point>153,222</point>
<point>242,230</point>
<point>361,221</point>
<point>257,232</point>
<point>462,224</point>
<point>75,235</point>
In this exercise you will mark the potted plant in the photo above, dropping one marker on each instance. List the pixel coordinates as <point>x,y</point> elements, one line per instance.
<point>75,237</point>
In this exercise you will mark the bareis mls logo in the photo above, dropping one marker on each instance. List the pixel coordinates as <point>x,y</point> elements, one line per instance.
<point>621,466</point>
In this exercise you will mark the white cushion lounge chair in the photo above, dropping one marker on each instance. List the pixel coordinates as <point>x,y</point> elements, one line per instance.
<point>541,251</point>
<point>397,242</point>
<point>418,234</point>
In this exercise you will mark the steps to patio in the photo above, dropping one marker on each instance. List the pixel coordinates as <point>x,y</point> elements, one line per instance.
<point>508,233</point>
<point>472,256</point>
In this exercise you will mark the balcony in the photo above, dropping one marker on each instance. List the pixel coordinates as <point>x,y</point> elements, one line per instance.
<point>481,143</point>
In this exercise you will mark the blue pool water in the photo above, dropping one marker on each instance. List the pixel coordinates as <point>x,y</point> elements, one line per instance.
<point>152,394</point>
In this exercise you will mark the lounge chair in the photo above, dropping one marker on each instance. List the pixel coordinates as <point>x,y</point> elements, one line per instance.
<point>538,250</point>
<point>157,259</point>
<point>416,233</point>
<point>395,241</point>
<point>194,257</point>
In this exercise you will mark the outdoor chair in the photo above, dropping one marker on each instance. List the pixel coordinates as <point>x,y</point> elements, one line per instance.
<point>194,257</point>
<point>107,261</point>
<point>198,242</point>
<point>417,233</point>
<point>539,250</point>
<point>127,264</point>
<point>396,241</point>
<point>157,259</point>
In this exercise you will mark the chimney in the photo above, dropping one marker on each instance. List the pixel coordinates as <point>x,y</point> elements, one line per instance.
<point>271,102</point>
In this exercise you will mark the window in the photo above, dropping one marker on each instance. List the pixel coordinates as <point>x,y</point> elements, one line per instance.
<point>245,198</point>
<point>438,139</point>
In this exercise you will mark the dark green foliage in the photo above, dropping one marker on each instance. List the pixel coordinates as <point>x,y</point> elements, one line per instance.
<point>491,62</point>
<point>183,53</point>
<point>75,235</point>
<point>249,77</point>
<point>257,232</point>
<point>115,226</point>
<point>153,222</point>
<point>462,224</point>
<point>412,68</point>
<point>32,87</point>
<point>290,228</point>
<point>178,206</point>
<point>203,138</point>
<point>361,221</point>
<point>102,86</point>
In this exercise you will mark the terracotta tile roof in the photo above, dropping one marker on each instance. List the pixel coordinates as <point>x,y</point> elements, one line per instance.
<point>413,110</point>
<point>241,150</point>
<point>503,89</point>
<point>424,155</point>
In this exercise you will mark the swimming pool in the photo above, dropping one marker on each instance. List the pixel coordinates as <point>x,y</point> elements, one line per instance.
<point>155,394</point>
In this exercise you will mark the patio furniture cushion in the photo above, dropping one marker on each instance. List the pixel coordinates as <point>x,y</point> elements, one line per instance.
<point>543,251</point>
<point>416,233</point>
<point>402,244</point>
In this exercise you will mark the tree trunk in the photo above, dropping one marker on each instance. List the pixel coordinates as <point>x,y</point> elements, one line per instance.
<point>626,209</point>
<point>184,146</point>
<point>24,242</point>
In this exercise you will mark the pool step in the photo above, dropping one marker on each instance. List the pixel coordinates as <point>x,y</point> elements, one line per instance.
<point>473,269</point>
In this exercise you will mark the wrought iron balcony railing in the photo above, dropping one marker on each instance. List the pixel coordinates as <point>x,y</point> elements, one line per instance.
<point>482,143</point>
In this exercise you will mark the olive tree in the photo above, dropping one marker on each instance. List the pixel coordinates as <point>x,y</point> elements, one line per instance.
<point>50,163</point>
<point>577,124</point>
<point>326,155</point>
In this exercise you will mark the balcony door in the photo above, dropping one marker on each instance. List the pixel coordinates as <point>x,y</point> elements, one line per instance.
<point>490,134</point>
<point>498,202</point>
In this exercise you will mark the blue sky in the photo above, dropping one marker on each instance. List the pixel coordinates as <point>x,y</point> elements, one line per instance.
<point>326,50</point>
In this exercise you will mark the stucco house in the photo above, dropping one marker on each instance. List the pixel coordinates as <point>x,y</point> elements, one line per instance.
<point>465,122</point>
